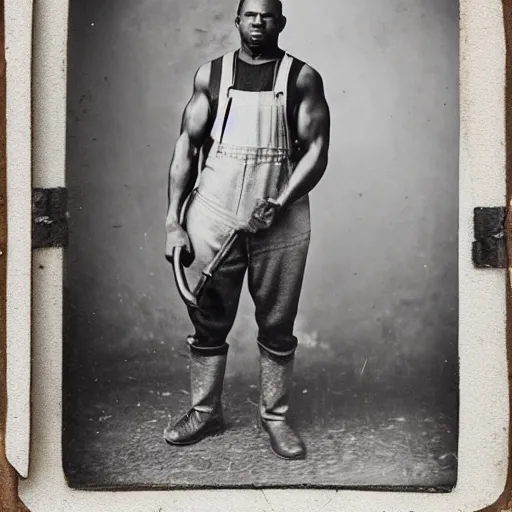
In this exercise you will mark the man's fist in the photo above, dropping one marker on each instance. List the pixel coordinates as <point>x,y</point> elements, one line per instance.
<point>177,237</point>
<point>263,215</point>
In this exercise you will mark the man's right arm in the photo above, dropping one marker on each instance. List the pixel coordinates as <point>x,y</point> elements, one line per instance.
<point>184,165</point>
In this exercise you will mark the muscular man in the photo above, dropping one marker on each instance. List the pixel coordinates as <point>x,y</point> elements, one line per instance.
<point>260,118</point>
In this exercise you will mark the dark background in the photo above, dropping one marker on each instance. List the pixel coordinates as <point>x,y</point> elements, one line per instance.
<point>375,391</point>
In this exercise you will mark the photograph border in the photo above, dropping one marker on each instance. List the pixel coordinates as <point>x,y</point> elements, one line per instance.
<point>485,35</point>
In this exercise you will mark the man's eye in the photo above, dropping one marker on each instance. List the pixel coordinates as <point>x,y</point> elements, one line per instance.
<point>263,16</point>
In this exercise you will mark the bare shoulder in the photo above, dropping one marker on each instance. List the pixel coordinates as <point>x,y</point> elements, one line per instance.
<point>310,81</point>
<point>202,77</point>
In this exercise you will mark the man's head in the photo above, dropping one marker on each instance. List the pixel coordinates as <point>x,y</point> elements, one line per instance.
<point>260,22</point>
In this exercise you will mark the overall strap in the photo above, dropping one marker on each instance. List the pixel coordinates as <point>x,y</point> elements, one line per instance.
<point>227,73</point>
<point>281,82</point>
<point>281,91</point>
<point>227,81</point>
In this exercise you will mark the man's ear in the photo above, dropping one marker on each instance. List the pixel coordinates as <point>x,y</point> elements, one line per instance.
<point>237,22</point>
<point>283,22</point>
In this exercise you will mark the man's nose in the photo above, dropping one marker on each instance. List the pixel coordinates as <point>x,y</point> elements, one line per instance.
<point>258,20</point>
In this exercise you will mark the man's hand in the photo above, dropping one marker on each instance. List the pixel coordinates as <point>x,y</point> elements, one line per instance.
<point>263,215</point>
<point>177,237</point>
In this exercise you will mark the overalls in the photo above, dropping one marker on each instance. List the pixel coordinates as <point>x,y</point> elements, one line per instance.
<point>250,158</point>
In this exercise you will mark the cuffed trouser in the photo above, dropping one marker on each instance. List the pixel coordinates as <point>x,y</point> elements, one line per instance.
<point>274,260</point>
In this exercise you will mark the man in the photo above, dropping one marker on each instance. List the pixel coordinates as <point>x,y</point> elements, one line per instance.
<point>261,120</point>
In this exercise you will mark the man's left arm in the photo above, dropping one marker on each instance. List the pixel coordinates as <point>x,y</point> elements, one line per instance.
<point>313,130</point>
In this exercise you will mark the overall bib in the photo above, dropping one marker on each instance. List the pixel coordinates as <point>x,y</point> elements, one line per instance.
<point>250,158</point>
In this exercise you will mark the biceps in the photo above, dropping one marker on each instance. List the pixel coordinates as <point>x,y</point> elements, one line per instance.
<point>196,119</point>
<point>313,122</point>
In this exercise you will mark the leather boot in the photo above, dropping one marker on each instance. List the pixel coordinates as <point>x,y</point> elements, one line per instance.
<point>205,416</point>
<point>275,381</point>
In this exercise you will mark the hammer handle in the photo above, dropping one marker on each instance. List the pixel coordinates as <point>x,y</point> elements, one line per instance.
<point>181,280</point>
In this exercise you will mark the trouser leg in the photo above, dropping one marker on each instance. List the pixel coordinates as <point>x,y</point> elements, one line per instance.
<point>275,281</point>
<point>212,321</point>
<point>275,276</point>
<point>218,303</point>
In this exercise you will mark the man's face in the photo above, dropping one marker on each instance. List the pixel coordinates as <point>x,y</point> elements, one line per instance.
<point>259,22</point>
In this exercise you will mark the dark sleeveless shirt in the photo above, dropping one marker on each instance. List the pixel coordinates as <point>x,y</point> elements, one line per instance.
<point>256,78</point>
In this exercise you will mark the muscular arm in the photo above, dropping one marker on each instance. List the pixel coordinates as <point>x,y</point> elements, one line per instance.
<point>183,169</point>
<point>313,128</point>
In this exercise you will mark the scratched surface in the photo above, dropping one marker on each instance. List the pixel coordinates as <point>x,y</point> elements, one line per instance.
<point>378,317</point>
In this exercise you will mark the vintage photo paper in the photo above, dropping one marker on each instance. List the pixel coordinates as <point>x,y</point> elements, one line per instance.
<point>476,393</point>
<point>313,184</point>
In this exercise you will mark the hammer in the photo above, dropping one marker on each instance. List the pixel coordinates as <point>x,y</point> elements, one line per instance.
<point>191,297</point>
<point>262,214</point>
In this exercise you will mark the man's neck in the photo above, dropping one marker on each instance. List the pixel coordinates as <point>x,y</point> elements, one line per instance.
<point>260,55</point>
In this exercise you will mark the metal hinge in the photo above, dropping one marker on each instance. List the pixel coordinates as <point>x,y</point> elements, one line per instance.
<point>49,217</point>
<point>489,248</point>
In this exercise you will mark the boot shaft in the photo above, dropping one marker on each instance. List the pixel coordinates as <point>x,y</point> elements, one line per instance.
<point>206,380</point>
<point>275,383</point>
<point>205,415</point>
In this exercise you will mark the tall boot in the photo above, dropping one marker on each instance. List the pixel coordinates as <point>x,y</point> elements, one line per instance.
<point>205,416</point>
<point>275,381</point>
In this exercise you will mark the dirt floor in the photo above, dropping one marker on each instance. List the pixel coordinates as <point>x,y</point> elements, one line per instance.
<point>400,432</point>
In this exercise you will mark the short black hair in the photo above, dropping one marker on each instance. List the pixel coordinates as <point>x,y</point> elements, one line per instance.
<point>242,2</point>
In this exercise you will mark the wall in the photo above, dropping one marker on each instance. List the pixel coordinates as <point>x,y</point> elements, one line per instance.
<point>381,286</point>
